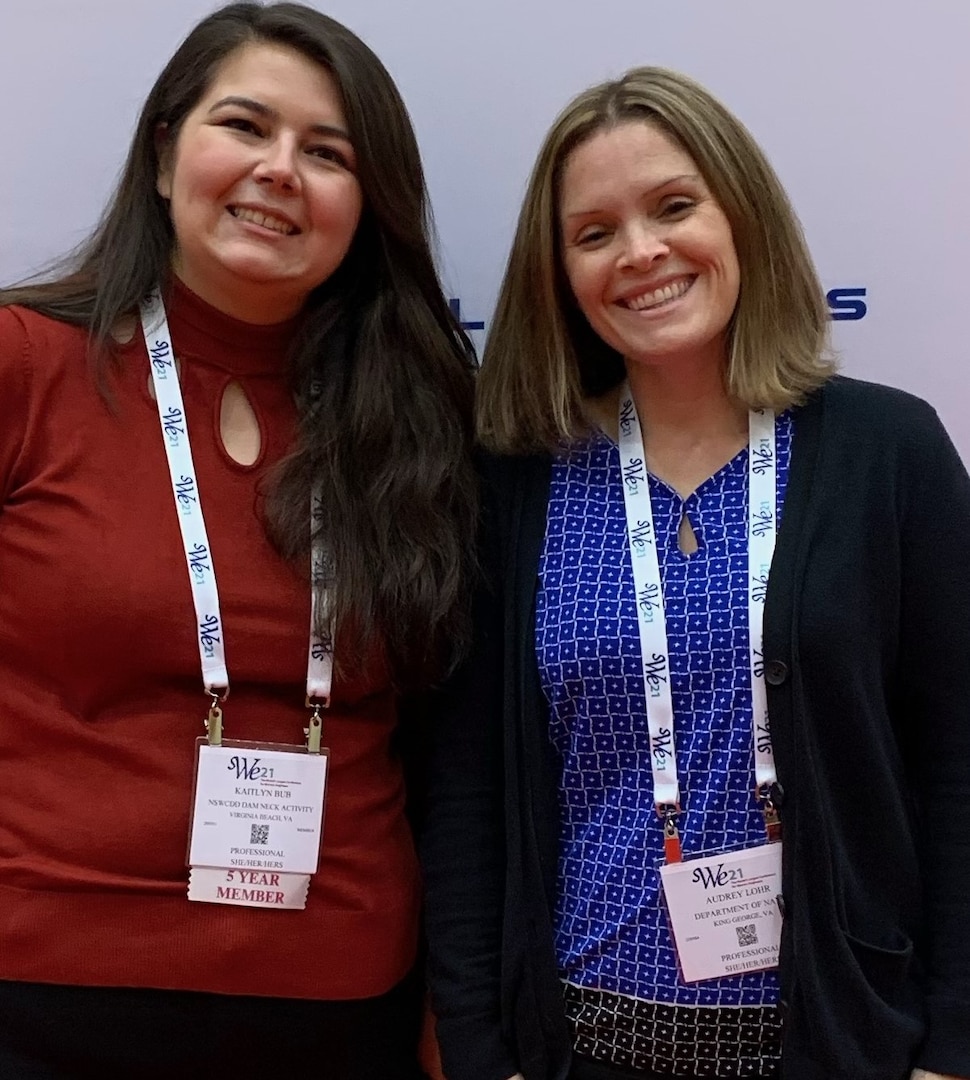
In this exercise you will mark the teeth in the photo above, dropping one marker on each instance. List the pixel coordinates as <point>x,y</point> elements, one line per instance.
<point>659,296</point>
<point>258,218</point>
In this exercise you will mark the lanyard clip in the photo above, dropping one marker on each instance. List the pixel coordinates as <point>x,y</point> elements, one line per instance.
<point>213,722</point>
<point>673,852</point>
<point>770,811</point>
<point>314,729</point>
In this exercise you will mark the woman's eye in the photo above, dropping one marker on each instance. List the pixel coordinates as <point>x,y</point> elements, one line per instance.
<point>591,237</point>
<point>329,153</point>
<point>678,207</point>
<point>241,123</point>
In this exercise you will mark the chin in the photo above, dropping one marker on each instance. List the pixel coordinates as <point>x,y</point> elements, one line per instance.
<point>256,270</point>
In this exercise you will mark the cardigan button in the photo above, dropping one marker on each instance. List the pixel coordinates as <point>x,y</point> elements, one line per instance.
<point>776,671</point>
<point>777,794</point>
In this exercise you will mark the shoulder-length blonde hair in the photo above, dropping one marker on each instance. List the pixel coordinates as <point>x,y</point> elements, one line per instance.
<point>542,358</point>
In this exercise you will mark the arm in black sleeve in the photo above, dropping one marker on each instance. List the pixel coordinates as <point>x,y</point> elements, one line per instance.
<point>463,847</point>
<point>935,678</point>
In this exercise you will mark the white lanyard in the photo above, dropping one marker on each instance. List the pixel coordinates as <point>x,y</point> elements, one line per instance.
<point>651,615</point>
<point>185,488</point>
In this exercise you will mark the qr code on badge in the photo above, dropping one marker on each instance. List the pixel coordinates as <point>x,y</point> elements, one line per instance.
<point>259,834</point>
<point>747,934</point>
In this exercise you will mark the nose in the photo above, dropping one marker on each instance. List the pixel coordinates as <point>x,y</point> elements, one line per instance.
<point>277,164</point>
<point>644,242</point>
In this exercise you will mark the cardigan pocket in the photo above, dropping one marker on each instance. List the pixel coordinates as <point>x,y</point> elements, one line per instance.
<point>855,1012</point>
<point>885,967</point>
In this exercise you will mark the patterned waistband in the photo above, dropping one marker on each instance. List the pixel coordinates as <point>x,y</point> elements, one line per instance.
<point>640,1040</point>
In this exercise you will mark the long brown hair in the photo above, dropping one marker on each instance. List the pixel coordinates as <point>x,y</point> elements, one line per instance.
<point>382,372</point>
<point>543,359</point>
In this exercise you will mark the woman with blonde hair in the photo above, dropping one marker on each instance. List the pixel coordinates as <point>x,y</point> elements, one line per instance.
<point>701,795</point>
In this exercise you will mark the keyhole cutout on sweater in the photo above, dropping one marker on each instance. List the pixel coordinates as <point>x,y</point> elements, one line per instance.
<point>124,329</point>
<point>151,381</point>
<point>686,537</point>
<point>238,426</point>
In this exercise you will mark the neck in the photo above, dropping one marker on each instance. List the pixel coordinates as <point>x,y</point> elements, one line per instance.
<point>691,425</point>
<point>688,400</point>
<point>257,306</point>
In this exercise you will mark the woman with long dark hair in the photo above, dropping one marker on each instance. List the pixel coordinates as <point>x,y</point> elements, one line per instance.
<point>244,393</point>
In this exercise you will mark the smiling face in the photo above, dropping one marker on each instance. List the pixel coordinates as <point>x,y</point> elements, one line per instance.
<point>261,184</point>
<point>647,250</point>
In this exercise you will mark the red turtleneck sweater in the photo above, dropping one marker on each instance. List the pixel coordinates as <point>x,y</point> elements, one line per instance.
<point>101,696</point>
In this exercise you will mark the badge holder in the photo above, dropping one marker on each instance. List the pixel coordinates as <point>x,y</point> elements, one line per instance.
<point>724,914</point>
<point>724,910</point>
<point>257,816</point>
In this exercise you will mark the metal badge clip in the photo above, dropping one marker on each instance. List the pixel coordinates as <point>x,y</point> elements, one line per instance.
<point>770,811</point>
<point>314,729</point>
<point>213,722</point>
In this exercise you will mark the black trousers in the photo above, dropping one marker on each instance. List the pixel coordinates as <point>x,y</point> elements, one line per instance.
<point>90,1033</point>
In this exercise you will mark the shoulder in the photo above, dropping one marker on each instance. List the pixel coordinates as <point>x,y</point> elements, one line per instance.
<point>878,438</point>
<point>873,406</point>
<point>869,421</point>
<point>19,330</point>
<point>16,340</point>
<point>504,476</point>
<point>26,334</point>
<point>25,323</point>
<point>14,331</point>
<point>43,365</point>
<point>514,497</point>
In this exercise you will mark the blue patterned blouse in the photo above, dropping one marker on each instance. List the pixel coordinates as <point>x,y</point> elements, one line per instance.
<point>626,1002</point>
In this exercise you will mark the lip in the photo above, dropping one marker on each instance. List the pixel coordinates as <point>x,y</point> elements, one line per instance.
<point>624,298</point>
<point>268,211</point>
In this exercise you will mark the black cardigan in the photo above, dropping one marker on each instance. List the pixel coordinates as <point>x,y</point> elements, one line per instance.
<point>867,648</point>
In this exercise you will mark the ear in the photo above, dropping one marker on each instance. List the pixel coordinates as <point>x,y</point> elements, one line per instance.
<point>163,152</point>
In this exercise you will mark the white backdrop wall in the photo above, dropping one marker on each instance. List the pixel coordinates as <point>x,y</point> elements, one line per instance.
<point>862,105</point>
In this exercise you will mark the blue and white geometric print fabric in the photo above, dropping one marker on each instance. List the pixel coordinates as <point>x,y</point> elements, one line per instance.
<point>611,932</point>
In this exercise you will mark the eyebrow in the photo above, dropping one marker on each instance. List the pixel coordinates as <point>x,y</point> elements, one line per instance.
<point>693,177</point>
<point>327,130</point>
